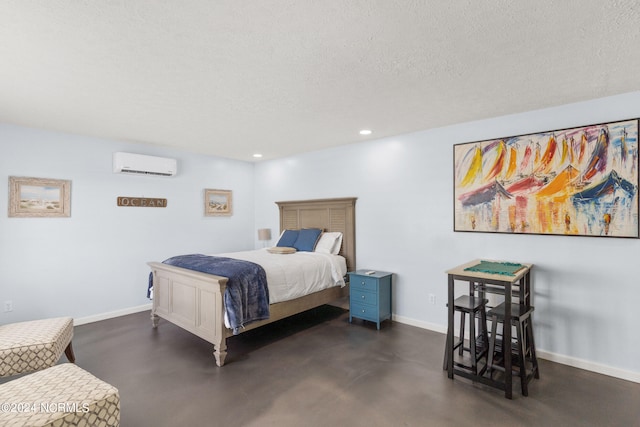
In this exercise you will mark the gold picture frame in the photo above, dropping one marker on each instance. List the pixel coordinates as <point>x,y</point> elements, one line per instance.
<point>39,197</point>
<point>218,202</point>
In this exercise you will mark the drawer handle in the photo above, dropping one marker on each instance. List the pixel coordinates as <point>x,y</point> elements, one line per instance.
<point>362,283</point>
<point>363,310</point>
<point>363,296</point>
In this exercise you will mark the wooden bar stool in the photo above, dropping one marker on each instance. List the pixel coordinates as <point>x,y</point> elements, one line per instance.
<point>525,348</point>
<point>474,307</point>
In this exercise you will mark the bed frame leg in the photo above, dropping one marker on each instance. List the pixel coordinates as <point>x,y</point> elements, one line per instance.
<point>220,352</point>
<point>154,319</point>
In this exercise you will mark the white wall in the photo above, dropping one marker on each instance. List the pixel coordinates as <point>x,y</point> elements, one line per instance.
<point>95,261</point>
<point>585,288</point>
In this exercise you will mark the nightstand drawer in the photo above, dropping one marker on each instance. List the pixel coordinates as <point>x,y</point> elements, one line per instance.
<point>364,311</point>
<point>364,283</point>
<point>364,297</point>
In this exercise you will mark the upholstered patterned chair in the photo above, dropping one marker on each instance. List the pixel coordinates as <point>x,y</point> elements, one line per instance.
<point>61,396</point>
<point>34,345</point>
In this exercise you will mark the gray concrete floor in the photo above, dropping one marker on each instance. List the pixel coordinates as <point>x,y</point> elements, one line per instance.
<point>316,369</point>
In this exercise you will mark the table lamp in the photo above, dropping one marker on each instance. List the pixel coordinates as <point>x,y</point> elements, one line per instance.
<point>264,235</point>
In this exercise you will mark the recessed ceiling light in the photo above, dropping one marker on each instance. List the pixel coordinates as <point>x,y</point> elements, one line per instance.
<point>257,155</point>
<point>365,132</point>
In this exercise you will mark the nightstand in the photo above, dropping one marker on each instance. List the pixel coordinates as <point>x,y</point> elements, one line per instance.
<point>370,295</point>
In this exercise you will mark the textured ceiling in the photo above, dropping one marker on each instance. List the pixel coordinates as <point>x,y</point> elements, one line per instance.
<point>281,77</point>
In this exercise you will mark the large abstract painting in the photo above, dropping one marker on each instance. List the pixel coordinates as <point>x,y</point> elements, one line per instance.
<point>581,181</point>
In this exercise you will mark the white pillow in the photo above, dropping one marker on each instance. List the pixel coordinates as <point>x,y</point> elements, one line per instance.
<point>329,243</point>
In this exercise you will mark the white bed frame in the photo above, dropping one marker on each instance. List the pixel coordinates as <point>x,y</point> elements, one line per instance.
<point>194,300</point>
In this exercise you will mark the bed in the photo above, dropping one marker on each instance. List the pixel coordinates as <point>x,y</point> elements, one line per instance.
<point>194,301</point>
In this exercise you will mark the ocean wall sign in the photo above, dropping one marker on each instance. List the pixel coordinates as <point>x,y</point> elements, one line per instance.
<point>579,181</point>
<point>142,202</point>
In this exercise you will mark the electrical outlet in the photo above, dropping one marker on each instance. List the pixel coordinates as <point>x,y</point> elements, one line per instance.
<point>432,298</point>
<point>8,306</point>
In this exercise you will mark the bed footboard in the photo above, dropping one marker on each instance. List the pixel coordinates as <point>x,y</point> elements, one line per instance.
<point>193,301</point>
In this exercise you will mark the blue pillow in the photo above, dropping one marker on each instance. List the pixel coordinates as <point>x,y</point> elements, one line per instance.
<point>288,238</point>
<point>307,239</point>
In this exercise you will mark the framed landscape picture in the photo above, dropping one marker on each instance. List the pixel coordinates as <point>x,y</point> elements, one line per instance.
<point>39,197</point>
<point>218,202</point>
<point>580,181</point>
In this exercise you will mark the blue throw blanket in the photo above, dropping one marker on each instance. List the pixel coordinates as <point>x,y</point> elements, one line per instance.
<point>246,298</point>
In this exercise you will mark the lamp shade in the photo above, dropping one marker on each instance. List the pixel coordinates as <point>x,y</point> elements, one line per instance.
<point>264,234</point>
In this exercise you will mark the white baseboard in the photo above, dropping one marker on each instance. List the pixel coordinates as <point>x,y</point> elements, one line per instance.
<point>590,366</point>
<point>424,325</point>
<point>553,357</point>
<point>111,314</point>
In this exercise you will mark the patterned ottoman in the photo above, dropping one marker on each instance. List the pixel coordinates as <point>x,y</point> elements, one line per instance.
<point>64,395</point>
<point>34,345</point>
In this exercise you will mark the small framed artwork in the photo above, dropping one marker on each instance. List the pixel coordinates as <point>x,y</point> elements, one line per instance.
<point>39,197</point>
<point>218,202</point>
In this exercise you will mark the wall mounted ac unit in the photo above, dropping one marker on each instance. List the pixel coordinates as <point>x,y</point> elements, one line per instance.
<point>145,165</point>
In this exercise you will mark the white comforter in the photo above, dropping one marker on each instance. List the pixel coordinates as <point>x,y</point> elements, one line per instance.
<point>294,275</point>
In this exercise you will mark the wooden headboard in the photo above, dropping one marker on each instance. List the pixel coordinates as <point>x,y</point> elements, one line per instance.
<point>326,214</point>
